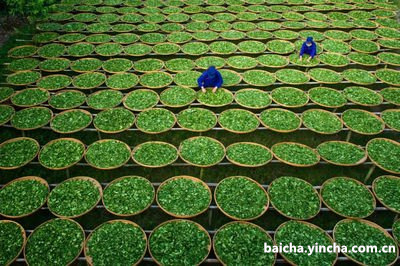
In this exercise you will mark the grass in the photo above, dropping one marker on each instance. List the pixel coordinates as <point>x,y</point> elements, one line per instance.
<point>114,120</point>
<point>155,154</point>
<point>384,154</point>
<point>61,153</point>
<point>248,154</point>
<point>12,240</point>
<point>202,151</point>
<point>322,121</point>
<point>155,120</point>
<point>386,189</point>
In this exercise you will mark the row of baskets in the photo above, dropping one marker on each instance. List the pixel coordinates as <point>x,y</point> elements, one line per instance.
<point>183,241</point>
<point>199,151</point>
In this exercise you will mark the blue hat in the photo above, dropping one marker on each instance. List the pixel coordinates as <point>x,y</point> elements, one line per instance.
<point>212,71</point>
<point>309,39</point>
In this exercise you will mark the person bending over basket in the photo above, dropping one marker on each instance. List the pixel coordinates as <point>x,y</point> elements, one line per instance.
<point>309,47</point>
<point>211,78</point>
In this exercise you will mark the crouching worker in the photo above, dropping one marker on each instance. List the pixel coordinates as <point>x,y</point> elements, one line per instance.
<point>211,78</point>
<point>309,47</point>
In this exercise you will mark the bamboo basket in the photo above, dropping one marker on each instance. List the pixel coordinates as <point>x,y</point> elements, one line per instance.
<point>70,220</point>
<point>261,72</point>
<point>148,132</point>
<point>90,87</point>
<point>389,100</point>
<point>9,96</point>
<point>33,178</point>
<point>130,214</point>
<point>384,81</point>
<point>338,213</point>
<point>234,131</point>
<point>22,84</point>
<point>89,259</point>
<point>98,92</point>
<point>147,59</point>
<point>178,105</point>
<point>56,140</point>
<point>347,45</point>
<point>24,163</point>
<point>379,199</point>
<point>23,234</point>
<point>239,222</point>
<point>55,75</point>
<point>285,65</point>
<point>194,130</point>
<point>294,83</point>
<point>324,105</point>
<point>59,92</point>
<point>68,111</point>
<point>309,225</point>
<point>246,165</point>
<point>81,71</point>
<point>51,56</point>
<point>390,110</point>
<point>83,178</point>
<point>284,43</point>
<point>107,168</point>
<point>180,220</point>
<point>70,42</point>
<point>336,54</point>
<point>358,82</point>
<point>369,223</point>
<point>9,118</point>
<point>294,218</point>
<point>19,47</point>
<point>135,55</point>
<point>327,82</point>
<point>389,63</point>
<point>362,104</point>
<point>395,238</point>
<point>362,160</point>
<point>376,163</point>
<point>169,53</point>
<point>198,165</point>
<point>188,178</point>
<point>386,46</point>
<point>215,105</point>
<point>323,111</point>
<point>158,86</point>
<point>154,166</point>
<point>282,131</point>
<point>28,105</point>
<point>110,55</point>
<point>139,110</point>
<point>360,51</point>
<point>239,219</point>
<point>83,55</point>
<point>239,67</point>
<point>251,107</point>
<point>363,133</point>
<point>290,106</point>
<point>117,131</point>
<point>55,71</point>
<point>295,164</point>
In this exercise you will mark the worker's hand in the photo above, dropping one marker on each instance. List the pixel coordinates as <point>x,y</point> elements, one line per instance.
<point>301,58</point>
<point>203,89</point>
<point>215,89</point>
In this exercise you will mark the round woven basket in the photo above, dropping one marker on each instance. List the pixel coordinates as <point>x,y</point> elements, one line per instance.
<point>84,178</point>
<point>194,179</point>
<point>85,59</point>
<point>362,160</point>
<point>154,166</point>
<point>102,91</point>
<point>235,73</point>
<point>117,131</point>
<point>59,92</point>
<point>377,164</point>
<point>146,71</point>
<point>18,139</point>
<point>357,82</point>
<point>359,51</point>
<point>246,165</point>
<point>34,178</point>
<point>179,220</point>
<point>159,86</point>
<point>321,132</point>
<point>139,110</point>
<point>235,218</point>
<point>56,140</point>
<point>312,226</point>
<point>368,105</point>
<point>239,222</point>
<point>19,47</point>
<point>112,167</point>
<point>136,55</point>
<point>282,131</point>
<point>194,130</point>
<point>294,83</point>
<point>198,165</point>
<point>290,106</point>
<point>333,210</point>
<point>389,63</point>
<point>54,71</point>
<point>234,131</point>
<point>165,130</point>
<point>384,81</point>
<point>12,115</point>
<point>374,225</point>
<point>379,199</point>
<point>68,111</point>
<point>107,55</point>
<point>324,105</point>
<point>293,218</point>
<point>55,75</point>
<point>363,64</point>
<point>295,164</point>
<point>90,87</point>
<point>93,35</point>
<point>130,214</point>
<point>179,105</point>
<point>217,105</point>
<point>395,238</point>
<point>337,54</point>
<point>326,82</point>
<point>363,133</point>
<point>10,262</point>
<point>251,107</point>
<point>23,84</point>
<point>89,259</point>
<point>80,227</point>
<point>390,110</point>
<point>117,72</point>
<point>168,53</point>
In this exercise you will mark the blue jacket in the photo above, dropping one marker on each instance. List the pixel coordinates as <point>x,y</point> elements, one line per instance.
<point>210,78</point>
<point>310,50</point>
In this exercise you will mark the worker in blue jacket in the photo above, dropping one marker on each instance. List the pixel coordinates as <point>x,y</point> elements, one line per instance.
<point>309,47</point>
<point>211,78</point>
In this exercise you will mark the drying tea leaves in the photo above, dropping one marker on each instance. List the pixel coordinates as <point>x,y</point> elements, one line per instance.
<point>392,118</point>
<point>248,154</point>
<point>392,95</point>
<point>72,37</point>
<point>17,152</point>
<point>89,80</point>
<point>197,119</point>
<point>387,191</point>
<point>322,121</point>
<point>335,46</point>
<point>54,64</point>
<point>139,100</point>
<point>390,58</point>
<point>295,154</point>
<point>294,198</point>
<point>184,196</point>
<point>125,38</point>
<point>122,81</point>
<point>67,99</point>
<point>23,64</point>
<point>117,65</point>
<point>341,153</point>
<point>220,98</point>
<point>241,198</point>
<point>252,98</point>
<point>155,154</point>
<point>179,242</point>
<point>80,49</point>
<point>202,151</point>
<point>179,64</point>
<point>51,50</point>
<point>107,154</point>
<point>177,96</point>
<point>61,153</point>
<point>71,121</point>
<point>362,96</point>
<point>362,122</point>
<point>30,97</point>
<point>128,195</point>
<point>280,47</point>
<point>195,48</point>
<point>334,59</point>
<point>179,37</point>
<point>289,97</point>
<point>295,59</point>
<point>324,75</point>
<point>137,49</point>
<point>148,65</point>
<point>187,78</point>
<point>273,60</point>
<point>258,77</point>
<point>348,197</point>
<point>364,46</point>
<point>359,76</point>
<point>388,76</point>
<point>23,78</point>
<point>327,97</point>
<point>232,35</point>
<point>58,240</point>
<point>114,120</point>
<point>238,120</point>
<point>385,154</point>
<point>280,120</point>
<point>54,82</point>
<point>5,93</point>
<point>22,51</point>
<point>292,76</point>
<point>166,48</point>
<point>207,61</point>
<point>363,59</point>
<point>155,120</point>
<point>6,113</point>
<point>12,241</point>
<point>121,242</point>
<point>156,80</point>
<point>86,65</point>
<point>242,62</point>
<point>251,47</point>
<point>31,118</point>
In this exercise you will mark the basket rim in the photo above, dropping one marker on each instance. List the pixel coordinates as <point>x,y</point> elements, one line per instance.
<point>292,88</point>
<point>69,111</point>
<point>169,53</point>
<point>80,43</point>
<point>261,72</point>
<point>9,53</point>
<point>197,108</point>
<point>362,160</point>
<point>358,82</point>
<point>250,143</point>
<point>298,144</point>
<point>144,60</point>
<point>191,178</point>
<point>324,105</point>
<point>369,113</point>
<point>90,87</point>
<point>215,105</point>
<point>142,54</point>
<point>86,248</point>
<point>390,100</point>
<point>236,218</point>
<point>365,52</point>
<point>158,132</point>
<point>389,70</point>
<point>13,112</point>
<point>21,72</point>
<point>121,74</point>
<point>117,131</point>
<point>369,223</point>
<point>126,177</point>
<point>328,70</point>
<point>282,110</point>
<point>348,179</point>
<point>99,92</point>
<point>379,198</point>
<point>159,86</point>
<point>291,217</point>
<point>23,234</point>
<point>238,110</point>
<point>112,54</point>
<point>376,163</point>
<point>323,111</point>
<point>180,105</point>
<point>63,91</point>
<point>18,139</point>
<point>285,42</point>
<point>154,142</point>
<point>111,167</point>
<point>370,91</point>
<point>61,139</point>
<point>335,54</point>
<point>35,178</point>
<point>55,75</point>
<point>251,89</point>
<point>201,228</point>
<point>55,58</point>
<point>141,90</point>
<point>390,110</point>
<point>387,62</point>
<point>82,59</point>
<point>84,178</point>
